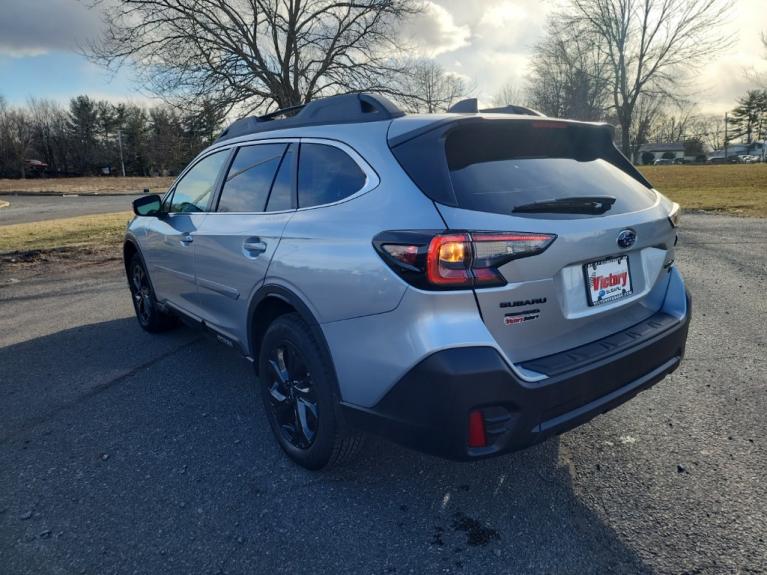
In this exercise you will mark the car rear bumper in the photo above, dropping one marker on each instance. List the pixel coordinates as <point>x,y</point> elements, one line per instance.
<point>428,409</point>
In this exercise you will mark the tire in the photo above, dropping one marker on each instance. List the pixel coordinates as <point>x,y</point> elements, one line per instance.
<point>297,387</point>
<point>148,313</point>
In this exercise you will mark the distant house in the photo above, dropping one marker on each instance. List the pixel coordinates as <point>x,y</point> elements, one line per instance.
<point>753,149</point>
<point>648,153</point>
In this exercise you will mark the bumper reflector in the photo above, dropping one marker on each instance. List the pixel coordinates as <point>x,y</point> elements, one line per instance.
<point>477,429</point>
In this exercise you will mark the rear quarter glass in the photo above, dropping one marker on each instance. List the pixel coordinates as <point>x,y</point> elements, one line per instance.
<point>494,166</point>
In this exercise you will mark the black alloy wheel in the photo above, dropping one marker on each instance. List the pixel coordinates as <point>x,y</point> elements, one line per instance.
<point>142,293</point>
<point>150,317</point>
<point>293,399</point>
<point>297,384</point>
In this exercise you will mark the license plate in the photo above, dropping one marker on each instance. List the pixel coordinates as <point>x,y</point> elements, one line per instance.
<point>607,280</point>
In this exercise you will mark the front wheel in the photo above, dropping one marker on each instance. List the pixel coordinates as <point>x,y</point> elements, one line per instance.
<point>296,384</point>
<point>148,313</point>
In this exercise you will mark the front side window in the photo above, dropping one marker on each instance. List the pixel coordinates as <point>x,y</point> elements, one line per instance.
<point>250,177</point>
<point>195,188</point>
<point>326,174</point>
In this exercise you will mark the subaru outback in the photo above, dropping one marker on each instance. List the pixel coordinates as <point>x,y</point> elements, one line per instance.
<point>465,284</point>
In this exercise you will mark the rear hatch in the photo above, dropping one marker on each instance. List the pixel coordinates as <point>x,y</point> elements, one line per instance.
<point>605,270</point>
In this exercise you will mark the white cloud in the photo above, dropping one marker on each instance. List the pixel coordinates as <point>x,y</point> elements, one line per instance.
<point>503,34</point>
<point>434,31</point>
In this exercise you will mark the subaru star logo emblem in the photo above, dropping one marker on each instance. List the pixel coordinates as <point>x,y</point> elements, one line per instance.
<point>627,238</point>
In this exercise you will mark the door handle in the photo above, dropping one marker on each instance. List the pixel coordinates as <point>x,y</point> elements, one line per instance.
<point>186,240</point>
<point>253,247</point>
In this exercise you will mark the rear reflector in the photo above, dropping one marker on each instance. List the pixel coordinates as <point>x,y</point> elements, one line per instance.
<point>477,429</point>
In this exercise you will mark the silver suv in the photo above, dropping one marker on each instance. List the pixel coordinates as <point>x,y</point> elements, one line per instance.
<point>465,284</point>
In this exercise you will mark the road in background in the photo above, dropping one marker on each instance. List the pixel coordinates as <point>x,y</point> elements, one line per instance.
<point>37,208</point>
<point>125,452</point>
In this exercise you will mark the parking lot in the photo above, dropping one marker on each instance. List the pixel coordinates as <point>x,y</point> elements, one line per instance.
<point>37,208</point>
<point>122,452</point>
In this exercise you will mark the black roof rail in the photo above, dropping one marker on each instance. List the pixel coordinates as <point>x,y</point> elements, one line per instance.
<point>343,109</point>
<point>471,106</point>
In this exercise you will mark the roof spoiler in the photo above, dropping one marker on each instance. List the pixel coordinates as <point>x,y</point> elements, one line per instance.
<point>342,109</point>
<point>471,106</point>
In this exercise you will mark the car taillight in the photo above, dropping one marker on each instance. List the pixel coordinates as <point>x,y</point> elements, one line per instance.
<point>460,260</point>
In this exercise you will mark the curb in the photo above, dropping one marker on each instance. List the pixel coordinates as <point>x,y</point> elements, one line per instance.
<point>4,204</point>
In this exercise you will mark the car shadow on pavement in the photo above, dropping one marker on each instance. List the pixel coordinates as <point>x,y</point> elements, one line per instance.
<point>121,451</point>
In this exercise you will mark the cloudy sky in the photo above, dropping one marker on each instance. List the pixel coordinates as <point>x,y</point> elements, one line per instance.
<point>488,41</point>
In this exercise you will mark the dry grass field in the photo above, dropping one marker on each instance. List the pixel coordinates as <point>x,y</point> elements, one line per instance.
<point>734,189</point>
<point>737,189</point>
<point>86,185</point>
<point>102,230</point>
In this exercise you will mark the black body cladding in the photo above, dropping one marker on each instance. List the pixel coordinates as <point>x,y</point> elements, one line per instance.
<point>428,408</point>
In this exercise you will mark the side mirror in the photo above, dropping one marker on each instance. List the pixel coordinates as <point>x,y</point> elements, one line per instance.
<point>147,205</point>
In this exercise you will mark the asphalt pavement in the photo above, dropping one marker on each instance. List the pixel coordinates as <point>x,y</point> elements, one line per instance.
<point>37,208</point>
<point>122,452</point>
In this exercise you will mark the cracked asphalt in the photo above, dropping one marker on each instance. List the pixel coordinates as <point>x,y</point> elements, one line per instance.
<point>122,452</point>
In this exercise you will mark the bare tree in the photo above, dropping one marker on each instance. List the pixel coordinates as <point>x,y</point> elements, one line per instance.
<point>710,130</point>
<point>674,120</point>
<point>252,54</point>
<point>508,95</point>
<point>49,126</point>
<point>647,44</point>
<point>647,112</point>
<point>425,87</point>
<point>15,137</point>
<point>569,76</point>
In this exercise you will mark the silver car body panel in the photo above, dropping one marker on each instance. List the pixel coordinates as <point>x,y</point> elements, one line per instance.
<point>377,326</point>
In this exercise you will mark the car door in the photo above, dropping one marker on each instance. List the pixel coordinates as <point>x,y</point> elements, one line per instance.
<point>235,243</point>
<point>169,241</point>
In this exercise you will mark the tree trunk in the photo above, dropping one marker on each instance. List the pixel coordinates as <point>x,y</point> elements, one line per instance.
<point>626,136</point>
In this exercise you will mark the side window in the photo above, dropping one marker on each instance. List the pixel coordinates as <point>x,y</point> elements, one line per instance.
<point>326,174</point>
<point>282,190</point>
<point>193,191</point>
<point>250,177</point>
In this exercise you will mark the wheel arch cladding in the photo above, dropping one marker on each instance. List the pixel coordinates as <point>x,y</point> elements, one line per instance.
<point>269,303</point>
<point>129,250</point>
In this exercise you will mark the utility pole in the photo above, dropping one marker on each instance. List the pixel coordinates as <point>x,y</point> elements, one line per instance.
<point>120,146</point>
<point>726,139</point>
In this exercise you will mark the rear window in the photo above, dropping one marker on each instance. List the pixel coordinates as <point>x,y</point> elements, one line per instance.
<point>497,166</point>
<point>326,174</point>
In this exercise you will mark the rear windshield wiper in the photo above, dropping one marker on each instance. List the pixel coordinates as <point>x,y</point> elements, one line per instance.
<point>595,205</point>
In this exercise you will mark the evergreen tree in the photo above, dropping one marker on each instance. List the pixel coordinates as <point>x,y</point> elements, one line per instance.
<point>83,130</point>
<point>749,116</point>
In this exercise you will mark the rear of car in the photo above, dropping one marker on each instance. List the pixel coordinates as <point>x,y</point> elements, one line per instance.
<point>568,254</point>
<point>464,284</point>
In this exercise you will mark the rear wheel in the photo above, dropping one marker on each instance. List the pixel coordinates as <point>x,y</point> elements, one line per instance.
<point>148,313</point>
<point>296,384</point>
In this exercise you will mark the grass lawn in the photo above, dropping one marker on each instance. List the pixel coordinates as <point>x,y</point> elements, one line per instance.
<point>735,189</point>
<point>738,189</point>
<point>86,185</point>
<point>96,231</point>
